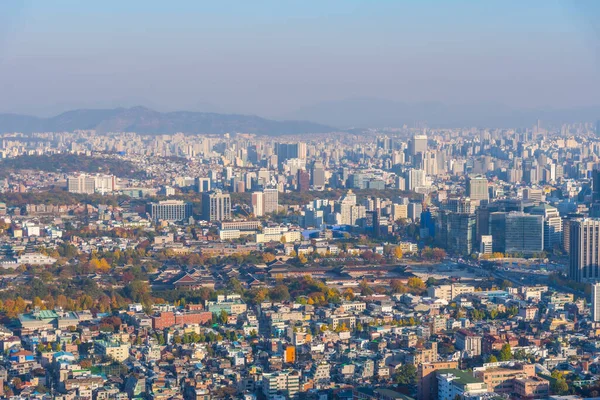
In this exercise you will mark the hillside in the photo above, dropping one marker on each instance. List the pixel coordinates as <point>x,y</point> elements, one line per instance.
<point>146,121</point>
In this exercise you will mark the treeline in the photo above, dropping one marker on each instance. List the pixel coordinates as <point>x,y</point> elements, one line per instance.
<point>69,163</point>
<point>58,196</point>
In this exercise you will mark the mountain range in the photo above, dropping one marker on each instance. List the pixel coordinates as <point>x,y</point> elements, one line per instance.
<point>327,116</point>
<point>146,121</point>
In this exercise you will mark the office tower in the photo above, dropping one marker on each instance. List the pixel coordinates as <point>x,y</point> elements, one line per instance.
<point>303,181</point>
<point>418,144</point>
<point>216,206</point>
<point>457,232</point>
<point>477,188</point>
<point>584,252</point>
<point>373,222</point>
<point>415,178</point>
<point>302,150</point>
<point>487,244</point>
<point>270,200</point>
<point>598,127</point>
<point>228,173</point>
<point>553,227</point>
<point>356,181</point>
<point>596,186</point>
<point>169,210</point>
<point>258,204</point>
<point>285,151</point>
<point>536,195</point>
<point>318,175</point>
<point>89,184</point>
<point>595,303</point>
<point>497,229</point>
<point>524,233</point>
<point>459,204</point>
<point>202,185</point>
<point>81,184</point>
<point>414,210</point>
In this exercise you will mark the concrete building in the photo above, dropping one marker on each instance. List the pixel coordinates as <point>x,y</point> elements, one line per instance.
<point>216,206</point>
<point>449,292</point>
<point>499,377</point>
<point>270,201</point>
<point>427,387</point>
<point>595,303</point>
<point>169,210</point>
<point>486,246</point>
<point>584,252</point>
<point>454,383</point>
<point>553,227</point>
<point>477,188</point>
<point>115,350</point>
<point>468,342</point>
<point>286,383</point>
<point>258,203</point>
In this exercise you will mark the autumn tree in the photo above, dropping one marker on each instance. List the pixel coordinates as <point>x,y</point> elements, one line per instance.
<point>416,283</point>
<point>398,252</point>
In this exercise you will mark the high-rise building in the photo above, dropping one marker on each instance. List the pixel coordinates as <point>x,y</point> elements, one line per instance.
<point>318,175</point>
<point>457,232</point>
<point>595,303</point>
<point>415,178</point>
<point>598,127</point>
<point>584,251</point>
<point>89,184</point>
<point>418,144</point>
<point>202,185</point>
<point>487,243</point>
<point>258,204</point>
<point>596,186</point>
<point>81,184</point>
<point>216,206</point>
<point>524,233</point>
<point>553,227</point>
<point>271,200</point>
<point>169,210</point>
<point>477,188</point>
<point>285,151</point>
<point>303,181</point>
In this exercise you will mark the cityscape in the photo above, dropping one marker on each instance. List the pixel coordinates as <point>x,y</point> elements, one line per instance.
<point>201,255</point>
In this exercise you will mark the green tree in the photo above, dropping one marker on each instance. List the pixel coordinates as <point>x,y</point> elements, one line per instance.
<point>491,359</point>
<point>505,352</point>
<point>406,375</point>
<point>559,385</point>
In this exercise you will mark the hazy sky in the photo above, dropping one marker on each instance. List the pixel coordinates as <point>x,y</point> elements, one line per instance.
<point>272,57</point>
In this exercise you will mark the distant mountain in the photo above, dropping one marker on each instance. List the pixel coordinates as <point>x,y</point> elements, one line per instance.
<point>146,121</point>
<point>373,112</point>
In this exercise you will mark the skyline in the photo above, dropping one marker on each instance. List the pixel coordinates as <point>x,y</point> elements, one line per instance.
<point>274,60</point>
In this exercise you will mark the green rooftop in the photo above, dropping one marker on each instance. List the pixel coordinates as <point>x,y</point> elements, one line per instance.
<point>463,377</point>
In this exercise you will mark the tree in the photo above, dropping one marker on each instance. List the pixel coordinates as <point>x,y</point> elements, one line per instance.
<point>406,375</point>
<point>398,252</point>
<point>559,384</point>
<point>365,289</point>
<point>416,283</point>
<point>279,293</point>
<point>268,257</point>
<point>397,286</point>
<point>506,352</point>
<point>491,359</point>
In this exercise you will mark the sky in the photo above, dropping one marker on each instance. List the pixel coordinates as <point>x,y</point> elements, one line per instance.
<point>271,58</point>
